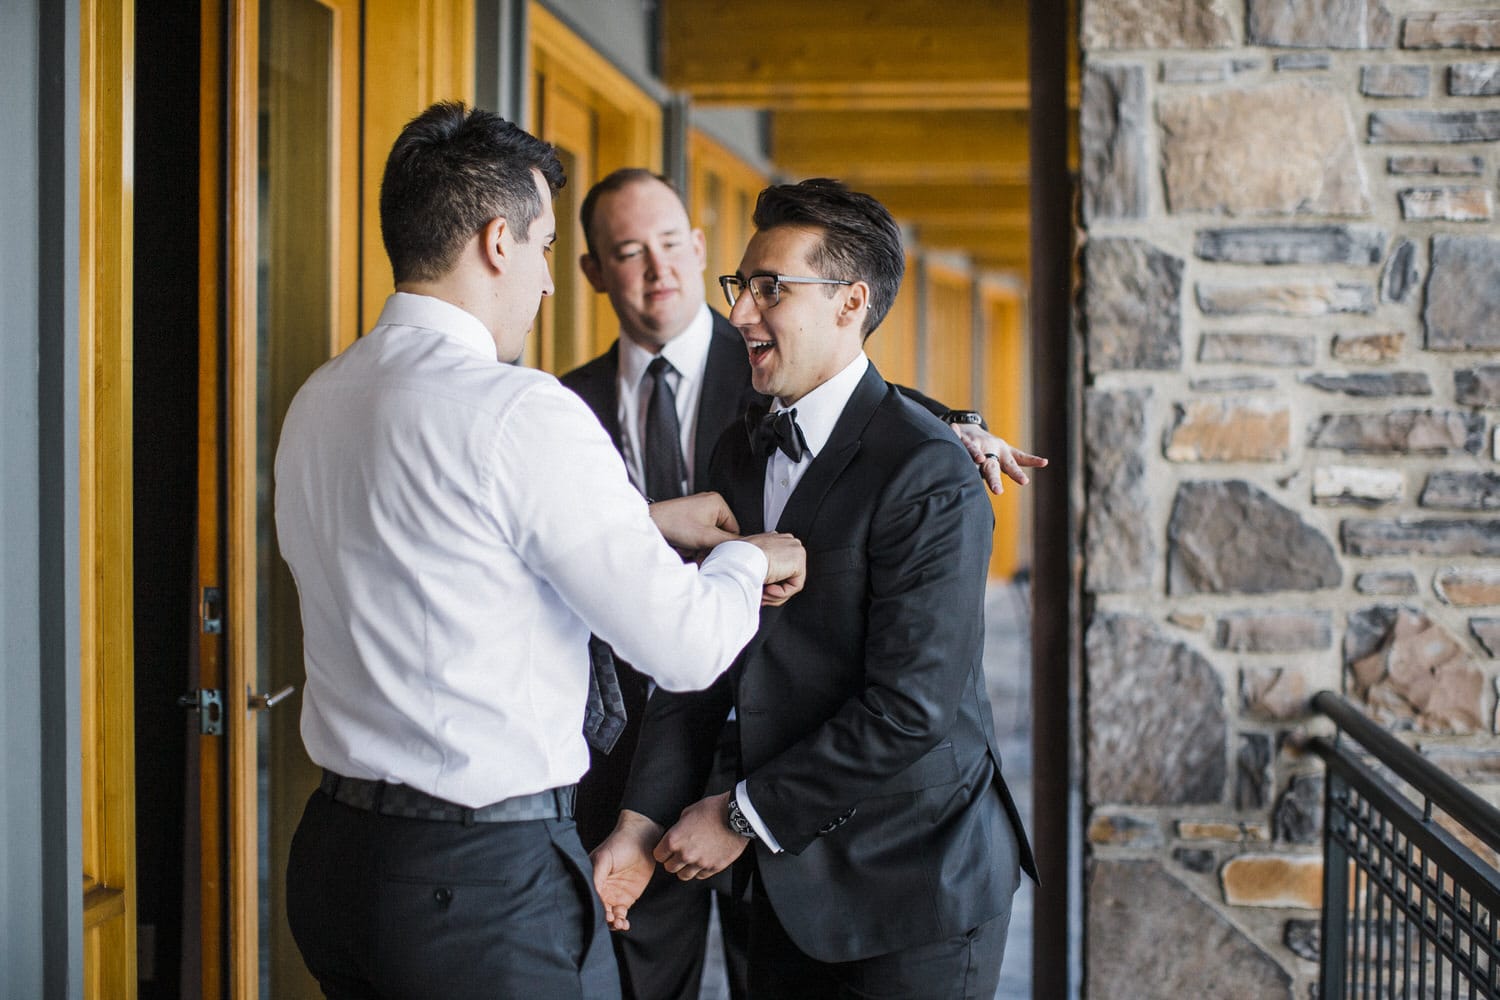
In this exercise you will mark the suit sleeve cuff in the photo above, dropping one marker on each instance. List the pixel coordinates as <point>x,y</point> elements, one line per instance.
<point>742,796</point>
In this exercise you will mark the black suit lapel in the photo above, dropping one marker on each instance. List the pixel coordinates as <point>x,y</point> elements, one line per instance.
<point>843,444</point>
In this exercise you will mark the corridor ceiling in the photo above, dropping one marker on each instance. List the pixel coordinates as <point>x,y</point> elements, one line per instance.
<point>922,103</point>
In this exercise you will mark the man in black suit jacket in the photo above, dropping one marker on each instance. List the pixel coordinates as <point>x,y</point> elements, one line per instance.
<point>886,846</point>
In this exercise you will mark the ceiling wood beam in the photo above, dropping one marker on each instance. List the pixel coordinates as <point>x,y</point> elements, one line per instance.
<point>901,147</point>
<point>870,54</point>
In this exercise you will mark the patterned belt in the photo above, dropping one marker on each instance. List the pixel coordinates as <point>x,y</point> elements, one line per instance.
<point>405,801</point>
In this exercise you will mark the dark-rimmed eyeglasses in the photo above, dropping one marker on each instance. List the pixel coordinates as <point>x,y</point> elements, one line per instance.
<point>766,288</point>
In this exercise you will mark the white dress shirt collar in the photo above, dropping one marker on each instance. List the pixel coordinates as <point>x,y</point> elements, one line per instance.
<point>817,413</point>
<point>820,409</point>
<point>439,316</point>
<point>687,352</point>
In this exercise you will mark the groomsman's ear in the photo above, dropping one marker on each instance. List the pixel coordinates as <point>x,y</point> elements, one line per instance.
<point>855,305</point>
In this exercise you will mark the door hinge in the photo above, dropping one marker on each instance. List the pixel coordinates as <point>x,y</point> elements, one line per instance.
<point>209,704</point>
<point>211,611</point>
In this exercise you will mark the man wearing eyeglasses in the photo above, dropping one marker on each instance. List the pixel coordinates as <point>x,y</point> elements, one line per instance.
<point>676,378</point>
<point>884,846</point>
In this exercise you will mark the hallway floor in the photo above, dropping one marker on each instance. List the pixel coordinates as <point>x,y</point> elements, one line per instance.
<point>1007,668</point>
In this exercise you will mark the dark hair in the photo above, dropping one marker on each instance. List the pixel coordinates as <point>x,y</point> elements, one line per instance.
<point>611,182</point>
<point>450,172</point>
<point>860,241</point>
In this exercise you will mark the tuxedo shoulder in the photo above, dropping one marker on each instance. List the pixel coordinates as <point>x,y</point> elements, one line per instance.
<point>601,368</point>
<point>899,415</point>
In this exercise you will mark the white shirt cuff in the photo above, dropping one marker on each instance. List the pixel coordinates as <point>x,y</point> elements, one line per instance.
<point>744,557</point>
<point>742,796</point>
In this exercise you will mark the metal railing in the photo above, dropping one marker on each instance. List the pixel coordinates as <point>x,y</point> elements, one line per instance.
<point>1409,909</point>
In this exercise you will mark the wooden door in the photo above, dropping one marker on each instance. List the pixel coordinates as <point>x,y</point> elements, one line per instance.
<point>599,120</point>
<point>560,341</point>
<point>289,300</point>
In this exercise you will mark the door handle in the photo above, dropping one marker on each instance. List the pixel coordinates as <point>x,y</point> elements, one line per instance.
<point>261,702</point>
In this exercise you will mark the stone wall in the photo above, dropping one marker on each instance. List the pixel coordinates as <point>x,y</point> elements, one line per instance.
<point>1291,307</point>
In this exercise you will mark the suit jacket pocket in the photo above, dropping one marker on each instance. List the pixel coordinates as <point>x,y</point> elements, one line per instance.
<point>939,766</point>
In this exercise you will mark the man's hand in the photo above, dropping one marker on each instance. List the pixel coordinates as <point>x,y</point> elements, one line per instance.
<point>623,865</point>
<point>694,523</point>
<point>700,843</point>
<point>994,456</point>
<point>786,569</point>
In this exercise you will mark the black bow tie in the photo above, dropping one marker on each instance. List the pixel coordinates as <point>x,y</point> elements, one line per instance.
<point>777,430</point>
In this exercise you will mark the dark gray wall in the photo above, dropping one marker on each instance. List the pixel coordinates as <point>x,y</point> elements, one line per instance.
<point>40,884</point>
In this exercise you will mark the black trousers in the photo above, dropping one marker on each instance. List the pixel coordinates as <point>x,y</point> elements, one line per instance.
<point>661,956</point>
<point>963,967</point>
<point>393,908</point>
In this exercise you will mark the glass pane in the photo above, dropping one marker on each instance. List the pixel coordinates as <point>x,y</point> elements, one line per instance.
<point>294,330</point>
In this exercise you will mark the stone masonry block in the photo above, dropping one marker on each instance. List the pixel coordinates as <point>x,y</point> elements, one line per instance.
<point>1442,164</point>
<point>1149,936</point>
<point>1274,631</point>
<point>1114,122</point>
<point>1477,386</point>
<point>1216,159</point>
<point>1411,536</point>
<point>1367,348</point>
<point>1157,733</point>
<point>1447,204</point>
<point>1434,126</point>
<point>1334,485</point>
<point>1474,79</point>
<point>1410,672</point>
<point>1274,694</point>
<point>1300,298</point>
<point>1468,587</point>
<point>1244,429</point>
<point>1133,306</point>
<point>1463,294</point>
<point>1270,349</point>
<point>1372,384</point>
<point>1120,547</point>
<point>1159,24</point>
<point>1318,24</point>
<point>1392,583</point>
<point>1401,275</point>
<point>1232,538</point>
<point>1395,81</point>
<point>1291,245</point>
<point>1410,432</point>
<point>1461,489</point>
<point>1283,881</point>
<point>1457,29</point>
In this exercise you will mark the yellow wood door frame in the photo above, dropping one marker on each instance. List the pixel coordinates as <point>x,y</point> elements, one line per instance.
<point>418,52</point>
<point>627,126</point>
<point>106,545</point>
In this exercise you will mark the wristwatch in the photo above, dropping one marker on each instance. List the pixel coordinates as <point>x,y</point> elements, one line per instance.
<point>738,821</point>
<point>965,417</point>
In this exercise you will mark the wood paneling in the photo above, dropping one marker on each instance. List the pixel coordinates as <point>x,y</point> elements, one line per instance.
<point>106,577</point>
<point>415,52</point>
<point>721,194</point>
<point>600,121</point>
<point>790,54</point>
<point>902,147</point>
<point>1002,369</point>
<point>893,345</point>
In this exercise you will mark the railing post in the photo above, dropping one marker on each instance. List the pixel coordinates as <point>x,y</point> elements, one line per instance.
<point>1332,966</point>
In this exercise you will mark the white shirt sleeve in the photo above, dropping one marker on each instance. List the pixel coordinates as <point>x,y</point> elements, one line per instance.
<point>742,796</point>
<point>569,510</point>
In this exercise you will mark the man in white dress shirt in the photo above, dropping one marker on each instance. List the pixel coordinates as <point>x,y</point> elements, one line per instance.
<point>457,526</point>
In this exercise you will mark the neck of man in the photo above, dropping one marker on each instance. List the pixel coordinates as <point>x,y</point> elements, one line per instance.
<point>454,289</point>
